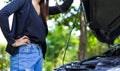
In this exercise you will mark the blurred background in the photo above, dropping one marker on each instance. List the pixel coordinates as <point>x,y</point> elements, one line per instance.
<point>82,44</point>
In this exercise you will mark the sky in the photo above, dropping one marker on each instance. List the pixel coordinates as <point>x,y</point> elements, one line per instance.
<point>51,3</point>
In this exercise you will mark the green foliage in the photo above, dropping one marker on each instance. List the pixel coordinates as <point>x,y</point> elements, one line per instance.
<point>58,37</point>
<point>117,40</point>
<point>56,42</point>
<point>68,18</point>
<point>94,47</point>
<point>4,58</point>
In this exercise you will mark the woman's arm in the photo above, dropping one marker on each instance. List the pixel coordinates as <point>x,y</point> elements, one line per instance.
<point>64,7</point>
<point>5,12</point>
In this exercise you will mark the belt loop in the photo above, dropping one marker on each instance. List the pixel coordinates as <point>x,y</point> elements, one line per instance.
<point>32,45</point>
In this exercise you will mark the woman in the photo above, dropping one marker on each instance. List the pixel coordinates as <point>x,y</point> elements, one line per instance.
<point>26,39</point>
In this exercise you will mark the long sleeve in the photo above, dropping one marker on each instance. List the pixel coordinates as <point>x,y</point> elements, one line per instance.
<point>64,7</point>
<point>5,12</point>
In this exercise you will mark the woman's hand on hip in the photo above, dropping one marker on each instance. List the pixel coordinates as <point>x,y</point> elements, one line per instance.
<point>21,41</point>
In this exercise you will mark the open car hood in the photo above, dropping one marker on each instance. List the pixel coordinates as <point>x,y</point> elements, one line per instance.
<point>108,61</point>
<point>104,18</point>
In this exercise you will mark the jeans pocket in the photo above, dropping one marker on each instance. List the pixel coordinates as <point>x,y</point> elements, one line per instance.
<point>25,49</point>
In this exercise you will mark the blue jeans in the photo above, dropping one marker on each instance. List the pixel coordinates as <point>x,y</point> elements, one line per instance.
<point>29,58</point>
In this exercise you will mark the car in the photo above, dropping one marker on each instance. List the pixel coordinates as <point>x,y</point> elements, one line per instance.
<point>103,17</point>
<point>108,61</point>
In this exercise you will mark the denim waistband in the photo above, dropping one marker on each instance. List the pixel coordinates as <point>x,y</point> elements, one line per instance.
<point>33,44</point>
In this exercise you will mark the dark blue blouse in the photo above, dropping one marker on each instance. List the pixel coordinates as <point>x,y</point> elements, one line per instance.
<point>26,21</point>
